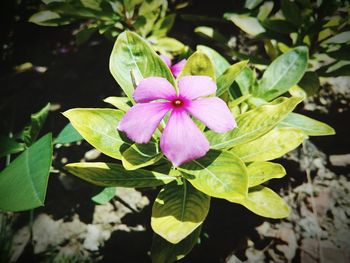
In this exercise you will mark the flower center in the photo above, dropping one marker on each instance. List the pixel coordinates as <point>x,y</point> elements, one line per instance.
<point>177,103</point>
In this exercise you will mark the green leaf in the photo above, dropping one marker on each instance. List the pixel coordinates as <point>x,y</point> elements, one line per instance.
<point>132,53</point>
<point>219,62</point>
<point>105,195</point>
<point>310,83</point>
<point>84,35</point>
<point>279,26</point>
<point>283,73</point>
<point>163,25</point>
<point>340,38</point>
<point>140,155</point>
<point>198,64</point>
<point>226,79</point>
<point>309,126</point>
<point>265,10</point>
<point>245,80</point>
<point>178,211</point>
<point>23,182</point>
<point>31,132</point>
<point>210,33</point>
<point>112,174</point>
<point>250,25</point>
<point>218,174</point>
<point>291,12</point>
<point>45,18</point>
<point>254,123</point>
<point>265,202</point>
<point>272,145</point>
<point>165,45</point>
<point>99,128</point>
<point>9,146</point>
<point>122,103</point>
<point>260,172</point>
<point>163,251</point>
<point>68,135</point>
<point>93,4</point>
<point>251,4</point>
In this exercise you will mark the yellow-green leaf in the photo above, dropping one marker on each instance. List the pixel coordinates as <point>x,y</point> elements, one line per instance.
<point>272,145</point>
<point>122,103</point>
<point>260,172</point>
<point>219,62</point>
<point>112,174</point>
<point>133,53</point>
<point>265,202</point>
<point>140,155</point>
<point>99,128</point>
<point>218,174</point>
<point>178,211</point>
<point>198,64</point>
<point>254,123</point>
<point>226,79</point>
<point>250,25</point>
<point>309,126</point>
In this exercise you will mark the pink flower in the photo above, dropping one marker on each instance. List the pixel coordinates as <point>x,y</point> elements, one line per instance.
<point>176,68</point>
<point>181,140</point>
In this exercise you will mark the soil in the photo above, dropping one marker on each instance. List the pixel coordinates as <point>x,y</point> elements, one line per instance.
<point>72,228</point>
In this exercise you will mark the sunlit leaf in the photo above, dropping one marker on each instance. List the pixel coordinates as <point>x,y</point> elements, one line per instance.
<point>163,251</point>
<point>163,25</point>
<point>260,172</point>
<point>265,202</point>
<point>198,64</point>
<point>218,174</point>
<point>283,73</point>
<point>68,135</point>
<point>132,53</point>
<point>251,4</point>
<point>219,62</point>
<point>210,33</point>
<point>141,155</point>
<point>99,128</point>
<point>340,38</point>
<point>112,174</point>
<point>121,103</point>
<point>254,123</point>
<point>105,195</point>
<point>245,80</point>
<point>226,79</point>
<point>250,25</point>
<point>265,10</point>
<point>178,211</point>
<point>23,182</point>
<point>309,126</point>
<point>272,145</point>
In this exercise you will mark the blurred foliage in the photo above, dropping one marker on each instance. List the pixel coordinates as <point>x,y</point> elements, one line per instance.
<point>150,19</point>
<point>278,26</point>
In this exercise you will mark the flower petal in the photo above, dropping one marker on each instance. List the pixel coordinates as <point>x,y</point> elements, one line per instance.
<point>176,68</point>
<point>140,122</point>
<point>166,59</point>
<point>193,87</point>
<point>153,88</point>
<point>214,113</point>
<point>181,140</point>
